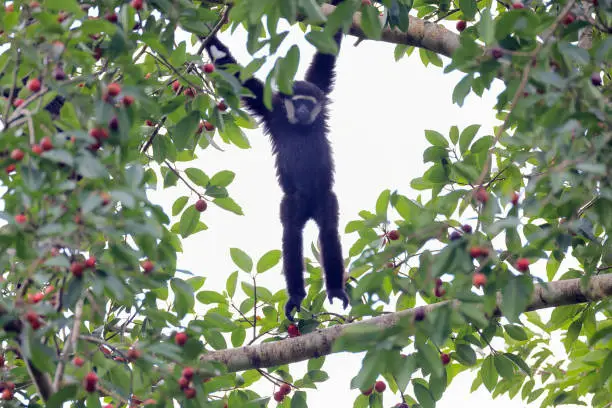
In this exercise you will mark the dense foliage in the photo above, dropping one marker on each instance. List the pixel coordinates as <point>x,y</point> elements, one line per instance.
<point>93,309</point>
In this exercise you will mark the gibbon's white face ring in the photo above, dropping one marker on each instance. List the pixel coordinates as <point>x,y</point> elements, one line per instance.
<point>291,109</point>
<point>217,53</point>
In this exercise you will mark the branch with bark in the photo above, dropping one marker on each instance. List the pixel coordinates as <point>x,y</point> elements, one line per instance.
<point>320,342</point>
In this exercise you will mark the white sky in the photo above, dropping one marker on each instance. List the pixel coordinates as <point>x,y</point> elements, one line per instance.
<point>380,111</point>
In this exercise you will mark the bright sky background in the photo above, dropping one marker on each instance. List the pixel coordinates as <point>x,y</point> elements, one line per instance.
<point>380,112</point>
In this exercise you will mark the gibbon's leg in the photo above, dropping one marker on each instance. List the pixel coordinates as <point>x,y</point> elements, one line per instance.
<point>293,217</point>
<point>326,216</point>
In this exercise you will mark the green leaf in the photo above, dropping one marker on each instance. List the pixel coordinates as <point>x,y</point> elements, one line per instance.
<point>65,393</point>
<point>227,203</point>
<point>488,374</point>
<point>382,203</point>
<point>312,10</point>
<point>486,27</point>
<point>230,284</point>
<point>436,138</point>
<point>516,332</point>
<point>183,297</point>
<point>197,176</point>
<point>516,296</point>
<point>189,221</point>
<point>370,23</point>
<point>215,339</point>
<point>268,260</point>
<point>423,395</point>
<point>466,354</point>
<point>209,296</point>
<point>287,69</point>
<point>323,41</point>
<point>238,336</point>
<point>503,365</point>
<point>241,259</point>
<point>468,8</point>
<point>467,135</point>
<point>454,134</point>
<point>299,400</point>
<point>185,130</point>
<point>179,204</point>
<point>223,178</point>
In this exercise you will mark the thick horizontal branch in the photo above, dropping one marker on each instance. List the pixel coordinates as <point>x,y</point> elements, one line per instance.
<point>320,343</point>
<point>422,34</point>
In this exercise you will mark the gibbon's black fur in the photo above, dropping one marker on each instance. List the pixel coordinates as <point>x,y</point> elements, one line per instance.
<point>304,166</point>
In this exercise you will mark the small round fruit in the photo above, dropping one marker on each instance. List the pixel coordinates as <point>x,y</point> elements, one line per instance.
<point>467,228</point>
<point>189,393</point>
<point>18,102</point>
<point>91,380</point>
<point>175,86</point>
<point>518,5</point>
<point>461,25</point>
<point>201,205</point>
<point>113,124</point>
<point>34,85</point>
<point>189,92</point>
<point>482,195</point>
<point>1,360</point>
<point>279,396</point>
<point>368,391</point>
<point>17,154</point>
<point>127,100</point>
<point>293,330</point>
<point>133,353</point>
<point>380,386</point>
<point>522,264</point>
<point>136,4</point>
<point>113,89</point>
<point>149,122</point>
<point>46,143</point>
<point>7,394</point>
<point>222,106</point>
<point>515,198</point>
<point>366,2</point>
<point>99,133</point>
<point>21,219</point>
<point>180,338</point>
<point>90,262</point>
<point>419,314</point>
<point>37,149</point>
<point>183,383</point>
<point>59,74</point>
<point>439,291</point>
<point>148,266</point>
<point>78,361</point>
<point>475,252</point>
<point>479,280</point>
<point>568,19</point>
<point>455,235</point>
<point>188,373</point>
<point>10,168</point>
<point>208,126</point>
<point>35,297</point>
<point>208,68</point>
<point>112,17</point>
<point>445,358</point>
<point>497,53</point>
<point>77,269</point>
<point>596,79</point>
<point>393,235</point>
<point>285,389</point>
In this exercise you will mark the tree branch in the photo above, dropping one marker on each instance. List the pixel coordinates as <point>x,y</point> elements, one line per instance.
<point>319,343</point>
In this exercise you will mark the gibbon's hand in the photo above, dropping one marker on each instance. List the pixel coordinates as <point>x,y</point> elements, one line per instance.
<point>294,302</point>
<point>340,294</point>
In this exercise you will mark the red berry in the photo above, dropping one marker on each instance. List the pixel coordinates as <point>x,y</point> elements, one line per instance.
<point>368,391</point>
<point>475,252</point>
<point>113,89</point>
<point>149,122</point>
<point>98,133</point>
<point>133,353</point>
<point>183,383</point>
<point>419,314</point>
<point>461,25</point>
<point>21,219</point>
<point>112,17</point>
<point>190,92</point>
<point>497,53</point>
<point>78,361</point>
<point>568,19</point>
<point>37,149</point>
<point>208,126</point>
<point>33,319</point>
<point>62,16</point>
<point>10,8</point>
<point>188,373</point>
<point>1,360</point>
<point>189,393</point>
<point>180,338</point>
<point>482,195</point>
<point>77,269</point>
<point>467,228</point>
<point>10,168</point>
<point>596,79</point>
<point>522,264</point>
<point>201,205</point>
<point>293,330</point>
<point>455,235</point>
<point>35,298</point>
<point>285,389</point>
<point>91,380</point>
<point>136,4</point>
<point>445,358</point>
<point>34,85</point>
<point>113,124</point>
<point>17,154</point>
<point>34,4</point>
<point>147,266</point>
<point>127,100</point>
<point>515,198</point>
<point>518,5</point>
<point>97,54</point>
<point>208,68</point>
<point>90,262</point>
<point>175,86</point>
<point>46,143</point>
<point>366,2</point>
<point>393,235</point>
<point>222,106</point>
<point>439,291</point>
<point>7,394</point>
<point>479,280</point>
<point>279,396</point>
<point>49,289</point>
<point>380,386</point>
<point>18,102</point>
<point>106,198</point>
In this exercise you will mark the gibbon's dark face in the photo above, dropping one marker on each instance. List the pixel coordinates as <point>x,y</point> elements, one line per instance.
<point>305,105</point>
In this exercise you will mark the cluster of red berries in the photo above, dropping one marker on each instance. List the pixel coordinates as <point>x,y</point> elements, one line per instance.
<point>379,386</point>
<point>8,388</point>
<point>185,380</point>
<point>439,291</point>
<point>293,330</point>
<point>283,391</point>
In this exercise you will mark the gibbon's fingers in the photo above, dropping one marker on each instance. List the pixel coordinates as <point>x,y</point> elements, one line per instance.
<point>294,302</point>
<point>340,294</point>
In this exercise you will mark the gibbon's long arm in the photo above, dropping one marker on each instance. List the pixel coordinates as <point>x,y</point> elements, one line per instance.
<point>221,55</point>
<point>321,71</point>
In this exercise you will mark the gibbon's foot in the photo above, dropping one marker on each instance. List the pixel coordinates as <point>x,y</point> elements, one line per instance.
<point>294,302</point>
<point>340,294</point>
